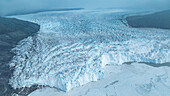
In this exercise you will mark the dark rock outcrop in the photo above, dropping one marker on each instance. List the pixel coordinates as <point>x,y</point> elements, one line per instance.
<point>155,20</point>
<point>11,32</point>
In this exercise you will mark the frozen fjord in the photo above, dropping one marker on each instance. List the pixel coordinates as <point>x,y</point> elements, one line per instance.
<point>72,48</point>
<point>125,80</point>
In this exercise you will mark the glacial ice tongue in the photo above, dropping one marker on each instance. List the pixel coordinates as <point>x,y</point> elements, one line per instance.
<point>63,66</point>
<point>72,48</point>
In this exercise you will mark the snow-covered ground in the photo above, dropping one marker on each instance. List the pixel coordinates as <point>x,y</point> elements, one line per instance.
<point>72,49</point>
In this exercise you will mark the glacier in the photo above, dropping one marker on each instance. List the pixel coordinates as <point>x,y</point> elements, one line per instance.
<point>72,48</point>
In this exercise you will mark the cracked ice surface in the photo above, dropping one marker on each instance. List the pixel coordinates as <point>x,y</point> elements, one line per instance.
<point>72,48</point>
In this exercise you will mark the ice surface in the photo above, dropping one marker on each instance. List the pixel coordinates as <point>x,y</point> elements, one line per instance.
<point>72,48</point>
<point>125,80</point>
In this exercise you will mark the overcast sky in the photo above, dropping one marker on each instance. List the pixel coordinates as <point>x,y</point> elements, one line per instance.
<point>11,6</point>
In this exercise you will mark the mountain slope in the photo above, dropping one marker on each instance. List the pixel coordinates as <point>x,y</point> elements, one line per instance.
<point>11,32</point>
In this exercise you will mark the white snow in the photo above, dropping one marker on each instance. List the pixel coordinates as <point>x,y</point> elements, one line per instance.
<point>123,80</point>
<point>72,49</point>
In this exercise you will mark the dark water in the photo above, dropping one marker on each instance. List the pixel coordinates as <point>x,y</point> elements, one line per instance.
<point>155,20</point>
<point>150,64</point>
<point>11,32</point>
